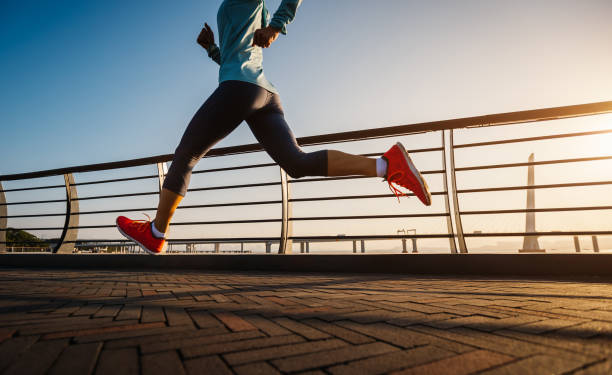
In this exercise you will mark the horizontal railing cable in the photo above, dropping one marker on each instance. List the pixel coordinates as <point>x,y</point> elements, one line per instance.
<point>530,139</point>
<point>365,196</point>
<point>526,210</point>
<point>34,188</point>
<point>526,164</point>
<point>542,186</point>
<point>540,234</point>
<point>114,180</point>
<point>318,179</point>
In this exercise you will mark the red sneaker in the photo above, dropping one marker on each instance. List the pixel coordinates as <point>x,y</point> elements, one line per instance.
<point>402,172</point>
<point>139,231</point>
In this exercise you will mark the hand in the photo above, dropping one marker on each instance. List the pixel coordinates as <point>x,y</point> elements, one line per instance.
<point>265,36</point>
<point>206,37</point>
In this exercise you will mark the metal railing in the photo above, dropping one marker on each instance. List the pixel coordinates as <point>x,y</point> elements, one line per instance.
<point>452,214</point>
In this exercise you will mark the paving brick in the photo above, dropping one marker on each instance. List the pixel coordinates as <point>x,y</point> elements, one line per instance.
<point>330,357</point>
<point>335,330</point>
<point>152,314</point>
<point>177,316</point>
<point>224,347</point>
<point>87,310</point>
<point>160,336</point>
<point>77,359</point>
<point>207,365</point>
<point>465,363</point>
<point>283,351</point>
<point>12,348</point>
<point>196,341</point>
<point>598,368</point>
<point>266,325</point>
<point>129,312</point>
<point>545,325</point>
<point>260,368</point>
<point>107,311</point>
<point>392,361</point>
<point>37,359</point>
<point>118,362</point>
<point>96,331</point>
<point>234,322</point>
<point>163,363</point>
<point>301,329</point>
<point>203,319</point>
<point>536,365</point>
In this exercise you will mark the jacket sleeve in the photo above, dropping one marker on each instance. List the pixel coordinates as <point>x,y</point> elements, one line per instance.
<point>285,14</point>
<point>214,53</point>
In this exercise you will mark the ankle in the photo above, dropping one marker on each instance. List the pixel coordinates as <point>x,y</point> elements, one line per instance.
<point>381,167</point>
<point>156,232</point>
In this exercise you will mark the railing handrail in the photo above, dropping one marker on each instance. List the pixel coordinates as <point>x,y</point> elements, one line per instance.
<point>534,115</point>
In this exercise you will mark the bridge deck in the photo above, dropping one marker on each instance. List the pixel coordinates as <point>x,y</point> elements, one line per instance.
<point>175,322</point>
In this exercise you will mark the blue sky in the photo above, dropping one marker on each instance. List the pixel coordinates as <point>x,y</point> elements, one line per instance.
<point>97,81</point>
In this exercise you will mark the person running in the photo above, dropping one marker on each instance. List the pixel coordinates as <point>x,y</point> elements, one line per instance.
<point>244,94</point>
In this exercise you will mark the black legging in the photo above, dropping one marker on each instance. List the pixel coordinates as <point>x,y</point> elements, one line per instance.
<point>230,104</point>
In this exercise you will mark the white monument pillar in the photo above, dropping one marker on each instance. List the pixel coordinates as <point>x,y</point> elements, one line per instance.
<point>530,243</point>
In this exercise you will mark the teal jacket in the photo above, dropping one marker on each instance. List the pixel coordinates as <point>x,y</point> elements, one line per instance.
<point>237,21</point>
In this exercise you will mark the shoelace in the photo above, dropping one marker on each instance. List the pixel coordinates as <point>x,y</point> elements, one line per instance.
<point>395,179</point>
<point>141,225</point>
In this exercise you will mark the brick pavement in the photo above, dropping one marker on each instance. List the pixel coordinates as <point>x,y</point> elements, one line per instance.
<point>181,322</point>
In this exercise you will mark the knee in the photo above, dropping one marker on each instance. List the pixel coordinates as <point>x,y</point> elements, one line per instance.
<point>295,169</point>
<point>306,164</point>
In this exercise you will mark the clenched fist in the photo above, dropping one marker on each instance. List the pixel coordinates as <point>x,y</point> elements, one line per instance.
<point>206,37</point>
<point>265,36</point>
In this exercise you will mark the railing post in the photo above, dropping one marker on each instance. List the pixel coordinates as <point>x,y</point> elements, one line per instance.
<point>414,245</point>
<point>449,220</point>
<point>162,171</point>
<point>404,247</point>
<point>3,220</point>
<point>460,238</point>
<point>595,244</point>
<point>577,244</point>
<point>285,245</point>
<point>67,241</point>
<point>363,246</point>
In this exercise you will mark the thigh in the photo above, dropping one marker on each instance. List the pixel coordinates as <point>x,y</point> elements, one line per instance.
<point>230,104</point>
<point>275,136</point>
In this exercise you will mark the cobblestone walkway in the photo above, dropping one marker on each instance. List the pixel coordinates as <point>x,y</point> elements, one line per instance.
<point>121,322</point>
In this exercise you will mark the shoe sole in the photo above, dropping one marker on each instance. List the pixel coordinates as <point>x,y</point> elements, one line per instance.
<point>416,173</point>
<point>138,243</point>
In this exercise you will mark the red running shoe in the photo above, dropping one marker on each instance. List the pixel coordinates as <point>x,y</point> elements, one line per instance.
<point>140,232</point>
<point>402,172</point>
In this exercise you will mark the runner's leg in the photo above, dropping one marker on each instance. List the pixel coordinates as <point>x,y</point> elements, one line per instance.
<point>226,108</point>
<point>273,133</point>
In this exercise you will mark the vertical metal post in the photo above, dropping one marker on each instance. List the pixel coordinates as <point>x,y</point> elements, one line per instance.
<point>67,240</point>
<point>414,245</point>
<point>595,244</point>
<point>449,220</point>
<point>301,247</point>
<point>3,220</point>
<point>577,244</point>
<point>217,247</point>
<point>285,246</point>
<point>162,171</point>
<point>460,238</point>
<point>404,247</point>
<point>268,247</point>
<point>363,246</point>
<point>354,246</point>
<point>307,247</point>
